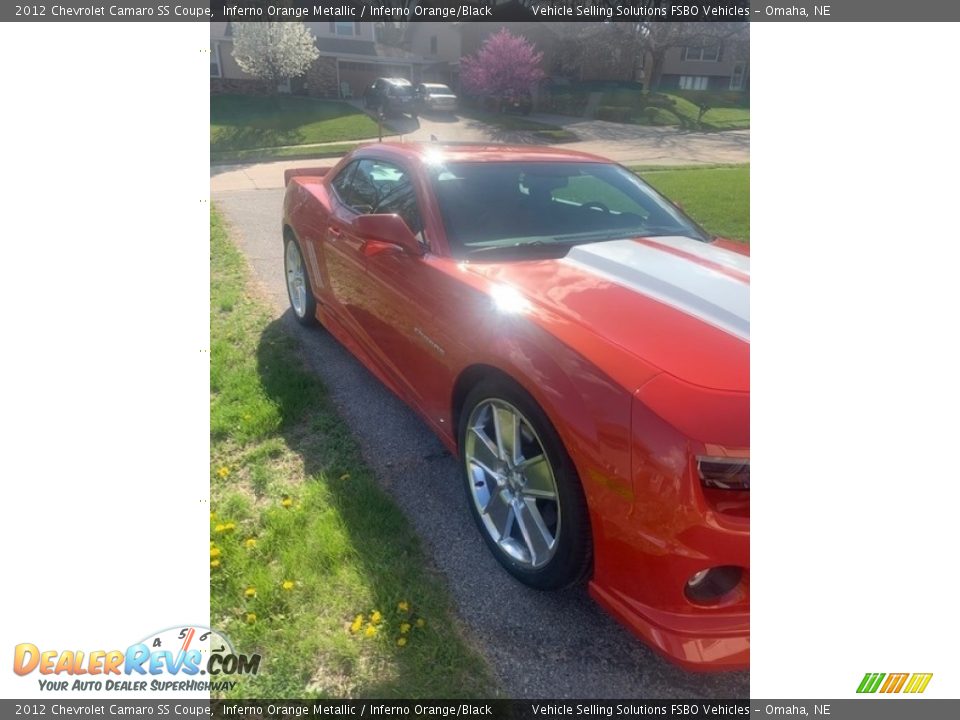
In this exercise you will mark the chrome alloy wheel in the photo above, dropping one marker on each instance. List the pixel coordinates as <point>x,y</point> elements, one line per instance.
<point>296,282</point>
<point>512,483</point>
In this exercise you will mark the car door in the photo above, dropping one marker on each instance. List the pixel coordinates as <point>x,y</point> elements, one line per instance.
<point>399,312</point>
<point>343,250</point>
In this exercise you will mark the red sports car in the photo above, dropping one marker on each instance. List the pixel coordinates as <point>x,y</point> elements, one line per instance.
<point>578,342</point>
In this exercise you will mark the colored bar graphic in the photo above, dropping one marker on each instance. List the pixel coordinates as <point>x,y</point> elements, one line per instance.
<point>918,682</point>
<point>894,682</point>
<point>915,683</point>
<point>870,682</point>
<point>903,679</point>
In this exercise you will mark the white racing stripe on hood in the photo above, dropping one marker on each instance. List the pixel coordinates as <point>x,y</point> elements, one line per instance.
<point>708,252</point>
<point>696,289</point>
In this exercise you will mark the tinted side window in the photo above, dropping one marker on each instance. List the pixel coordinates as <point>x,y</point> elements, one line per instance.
<point>361,193</point>
<point>401,198</point>
<point>381,187</point>
<point>342,180</point>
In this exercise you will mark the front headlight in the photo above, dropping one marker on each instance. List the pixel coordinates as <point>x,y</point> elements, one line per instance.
<point>724,473</point>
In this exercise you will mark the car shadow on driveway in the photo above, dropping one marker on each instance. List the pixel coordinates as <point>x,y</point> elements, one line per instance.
<point>399,124</point>
<point>504,136</point>
<point>538,644</point>
<point>439,117</point>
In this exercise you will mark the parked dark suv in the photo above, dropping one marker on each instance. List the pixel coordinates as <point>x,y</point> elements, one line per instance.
<point>391,96</point>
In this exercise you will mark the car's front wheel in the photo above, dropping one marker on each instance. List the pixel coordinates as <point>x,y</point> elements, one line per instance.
<point>298,283</point>
<point>523,490</point>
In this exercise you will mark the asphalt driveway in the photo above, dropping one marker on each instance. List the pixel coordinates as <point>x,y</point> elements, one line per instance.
<point>540,645</point>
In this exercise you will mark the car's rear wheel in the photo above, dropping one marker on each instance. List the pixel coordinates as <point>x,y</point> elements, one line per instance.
<point>298,283</point>
<point>523,490</point>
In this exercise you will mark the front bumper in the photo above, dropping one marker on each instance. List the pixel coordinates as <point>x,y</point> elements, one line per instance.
<point>700,639</point>
<point>669,530</point>
<point>693,643</point>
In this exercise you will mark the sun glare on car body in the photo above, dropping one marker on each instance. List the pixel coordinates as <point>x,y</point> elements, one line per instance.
<point>508,300</point>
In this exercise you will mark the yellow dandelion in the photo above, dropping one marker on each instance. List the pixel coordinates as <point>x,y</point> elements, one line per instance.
<point>287,585</point>
<point>251,618</point>
<point>286,502</point>
<point>212,514</point>
<point>250,543</point>
<point>214,563</point>
<point>250,592</point>
<point>223,471</point>
<point>370,631</point>
<point>404,628</point>
<point>403,606</point>
<point>375,617</point>
<point>345,476</point>
<point>219,528</point>
<point>421,622</point>
<point>401,641</point>
<point>229,527</point>
<point>214,552</point>
<point>356,624</point>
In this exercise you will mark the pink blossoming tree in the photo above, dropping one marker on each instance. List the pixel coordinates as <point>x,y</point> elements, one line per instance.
<point>506,66</point>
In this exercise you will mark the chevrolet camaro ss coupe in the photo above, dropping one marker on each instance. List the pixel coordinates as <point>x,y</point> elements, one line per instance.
<point>578,342</point>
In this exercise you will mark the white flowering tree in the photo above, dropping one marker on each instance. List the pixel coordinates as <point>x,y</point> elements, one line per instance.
<point>274,51</point>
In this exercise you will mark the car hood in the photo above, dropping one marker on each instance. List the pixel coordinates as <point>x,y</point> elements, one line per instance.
<point>679,305</point>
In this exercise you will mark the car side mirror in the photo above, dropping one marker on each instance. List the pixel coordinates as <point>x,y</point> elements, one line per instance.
<point>389,229</point>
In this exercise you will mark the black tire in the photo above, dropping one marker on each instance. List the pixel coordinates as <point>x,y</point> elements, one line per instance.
<point>308,317</point>
<point>571,562</point>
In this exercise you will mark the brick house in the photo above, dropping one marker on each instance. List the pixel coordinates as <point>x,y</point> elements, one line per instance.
<point>350,60</point>
<point>712,67</point>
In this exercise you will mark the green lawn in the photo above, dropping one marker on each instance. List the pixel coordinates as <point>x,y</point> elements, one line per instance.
<point>311,564</point>
<point>723,117</point>
<point>717,197</point>
<point>729,111</point>
<point>244,122</point>
<point>298,152</point>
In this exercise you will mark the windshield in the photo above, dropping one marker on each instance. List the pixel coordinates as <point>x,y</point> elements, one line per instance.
<point>534,207</point>
<point>438,89</point>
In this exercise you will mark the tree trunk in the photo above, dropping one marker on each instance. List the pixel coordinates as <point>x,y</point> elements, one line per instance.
<point>656,69</point>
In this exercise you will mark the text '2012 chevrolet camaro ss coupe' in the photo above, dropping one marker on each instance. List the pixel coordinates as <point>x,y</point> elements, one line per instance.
<point>577,342</point>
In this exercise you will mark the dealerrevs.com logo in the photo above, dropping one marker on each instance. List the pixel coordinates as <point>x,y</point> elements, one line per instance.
<point>182,659</point>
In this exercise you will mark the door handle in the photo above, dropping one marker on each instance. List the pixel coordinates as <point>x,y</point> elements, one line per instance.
<point>335,232</point>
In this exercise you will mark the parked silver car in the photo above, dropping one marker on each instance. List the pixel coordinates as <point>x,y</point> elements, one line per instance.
<point>436,97</point>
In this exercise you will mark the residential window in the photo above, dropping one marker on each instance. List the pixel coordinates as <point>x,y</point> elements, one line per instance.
<point>736,79</point>
<point>433,44</point>
<point>705,54</point>
<point>344,28</point>
<point>215,69</point>
<point>694,82</point>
